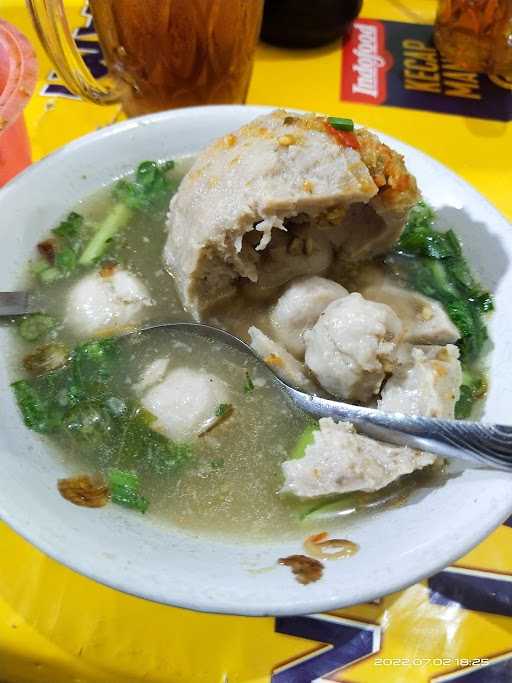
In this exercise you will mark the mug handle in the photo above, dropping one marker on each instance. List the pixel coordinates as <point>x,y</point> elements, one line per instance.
<point>54,33</point>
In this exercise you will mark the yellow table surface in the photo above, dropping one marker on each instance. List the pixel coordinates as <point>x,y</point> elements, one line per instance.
<point>58,627</point>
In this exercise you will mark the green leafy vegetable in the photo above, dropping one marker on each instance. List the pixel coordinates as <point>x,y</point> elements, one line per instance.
<point>223,409</point>
<point>148,192</point>
<point>44,400</point>
<point>340,123</point>
<point>33,406</point>
<point>485,302</point>
<point>150,189</point>
<point>66,260</point>
<point>61,250</point>
<point>421,239</point>
<point>249,384</point>
<point>90,423</point>
<point>33,327</point>
<point>93,364</point>
<point>77,402</point>
<point>70,228</point>
<point>139,444</point>
<point>74,243</point>
<point>433,264</point>
<point>473,388</point>
<point>125,490</point>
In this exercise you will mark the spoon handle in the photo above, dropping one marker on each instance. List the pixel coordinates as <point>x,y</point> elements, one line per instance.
<point>476,442</point>
<point>14,303</point>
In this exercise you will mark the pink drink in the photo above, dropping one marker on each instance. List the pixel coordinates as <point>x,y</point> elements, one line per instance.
<point>18,74</point>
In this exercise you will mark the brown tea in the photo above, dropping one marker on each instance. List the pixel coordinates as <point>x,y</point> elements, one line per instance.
<point>178,53</point>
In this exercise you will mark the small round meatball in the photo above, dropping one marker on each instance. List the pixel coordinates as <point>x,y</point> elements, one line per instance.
<point>426,382</point>
<point>299,307</point>
<point>99,303</point>
<point>351,347</point>
<point>185,402</point>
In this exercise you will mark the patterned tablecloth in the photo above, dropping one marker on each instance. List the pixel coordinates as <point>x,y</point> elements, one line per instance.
<point>58,627</point>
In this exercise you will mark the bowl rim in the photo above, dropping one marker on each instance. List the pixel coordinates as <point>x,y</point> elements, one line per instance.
<point>390,584</point>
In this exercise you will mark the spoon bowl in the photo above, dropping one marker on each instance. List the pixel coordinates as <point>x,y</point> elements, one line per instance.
<point>476,443</point>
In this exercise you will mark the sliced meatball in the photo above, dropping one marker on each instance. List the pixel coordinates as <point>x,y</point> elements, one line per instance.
<point>427,383</point>
<point>100,303</point>
<point>282,363</point>
<point>376,230</point>
<point>351,347</point>
<point>424,320</point>
<point>270,181</point>
<point>340,460</point>
<point>184,402</point>
<point>298,251</point>
<point>299,307</point>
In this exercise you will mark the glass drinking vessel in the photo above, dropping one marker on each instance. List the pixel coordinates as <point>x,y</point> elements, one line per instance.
<point>18,74</point>
<point>476,35</point>
<point>160,53</point>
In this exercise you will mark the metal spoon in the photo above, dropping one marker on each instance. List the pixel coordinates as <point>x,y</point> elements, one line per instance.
<point>15,303</point>
<point>476,442</point>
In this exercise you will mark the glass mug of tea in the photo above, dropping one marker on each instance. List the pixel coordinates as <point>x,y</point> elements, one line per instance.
<point>160,54</point>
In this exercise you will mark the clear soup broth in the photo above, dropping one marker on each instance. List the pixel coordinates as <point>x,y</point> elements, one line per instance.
<point>224,481</point>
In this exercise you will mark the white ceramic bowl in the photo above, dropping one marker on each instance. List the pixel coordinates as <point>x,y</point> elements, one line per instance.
<point>131,553</point>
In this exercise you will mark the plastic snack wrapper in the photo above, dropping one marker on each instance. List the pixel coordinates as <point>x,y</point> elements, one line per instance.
<point>59,627</point>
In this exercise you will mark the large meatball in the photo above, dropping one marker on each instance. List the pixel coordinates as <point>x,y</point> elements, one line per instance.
<point>289,179</point>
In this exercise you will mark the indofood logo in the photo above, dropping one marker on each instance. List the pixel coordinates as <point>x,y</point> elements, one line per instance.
<point>365,62</point>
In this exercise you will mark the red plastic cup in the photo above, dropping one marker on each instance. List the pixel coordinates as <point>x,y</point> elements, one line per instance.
<point>18,75</point>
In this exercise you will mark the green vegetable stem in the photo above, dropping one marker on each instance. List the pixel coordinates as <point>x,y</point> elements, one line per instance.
<point>305,439</point>
<point>248,384</point>
<point>148,192</point>
<point>117,219</point>
<point>74,243</point>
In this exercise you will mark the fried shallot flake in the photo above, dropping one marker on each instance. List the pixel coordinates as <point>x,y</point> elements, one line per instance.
<point>84,490</point>
<point>306,569</point>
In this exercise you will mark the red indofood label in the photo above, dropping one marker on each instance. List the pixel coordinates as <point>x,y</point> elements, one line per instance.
<point>395,63</point>
<point>365,63</point>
